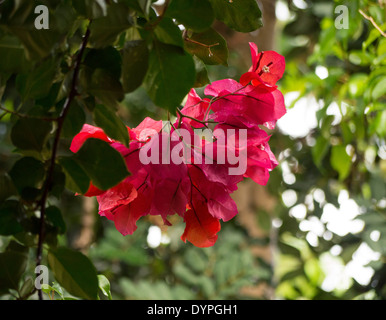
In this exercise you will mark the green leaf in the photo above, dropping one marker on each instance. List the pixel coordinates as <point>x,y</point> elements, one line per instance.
<point>48,290</point>
<point>76,178</point>
<point>357,84</point>
<point>54,216</point>
<point>64,19</point>
<point>74,271</point>
<point>104,285</point>
<point>91,9</point>
<point>105,30</point>
<point>58,289</point>
<point>135,62</point>
<point>141,6</point>
<point>13,263</point>
<point>159,290</point>
<point>381,50</point>
<point>319,151</point>
<point>37,43</point>
<point>12,55</point>
<point>240,15</point>
<point>185,274</point>
<point>346,132</point>
<point>379,123</point>
<point>201,74</point>
<point>314,272</point>
<point>7,188</point>
<point>107,58</point>
<point>74,120</point>
<point>378,188</point>
<point>111,124</point>
<point>104,86</point>
<point>373,35</point>
<point>10,212</point>
<point>360,58</point>
<point>170,76</point>
<point>340,161</point>
<point>326,126</point>
<point>37,84</point>
<point>112,249</point>
<point>59,182</point>
<point>100,75</point>
<point>102,163</point>
<point>196,260</point>
<point>374,219</point>
<point>168,32</point>
<point>20,21</point>
<point>27,288</point>
<point>51,98</point>
<point>30,133</point>
<point>379,89</point>
<point>209,46</point>
<point>27,172</point>
<point>196,15</point>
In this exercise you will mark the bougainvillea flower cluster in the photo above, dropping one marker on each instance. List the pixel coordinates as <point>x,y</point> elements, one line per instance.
<point>196,180</point>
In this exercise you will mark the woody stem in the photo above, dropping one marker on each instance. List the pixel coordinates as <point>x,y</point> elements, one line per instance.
<point>50,173</point>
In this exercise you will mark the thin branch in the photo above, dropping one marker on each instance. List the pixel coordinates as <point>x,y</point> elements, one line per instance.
<point>21,115</point>
<point>208,46</point>
<point>214,99</point>
<point>371,19</point>
<point>60,121</point>
<point>194,119</point>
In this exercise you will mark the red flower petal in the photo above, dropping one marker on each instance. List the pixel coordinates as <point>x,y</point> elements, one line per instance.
<point>253,106</point>
<point>122,194</point>
<point>268,65</point>
<point>228,85</point>
<point>254,79</point>
<point>125,217</point>
<point>93,191</point>
<point>254,55</point>
<point>201,228</point>
<point>195,107</point>
<point>271,67</point>
<point>87,132</point>
<point>247,77</point>
<point>146,128</point>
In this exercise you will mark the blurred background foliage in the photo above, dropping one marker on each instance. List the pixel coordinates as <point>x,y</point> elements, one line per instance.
<point>318,229</point>
<point>333,187</point>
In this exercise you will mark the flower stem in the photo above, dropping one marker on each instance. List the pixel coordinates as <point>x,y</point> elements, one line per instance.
<point>60,121</point>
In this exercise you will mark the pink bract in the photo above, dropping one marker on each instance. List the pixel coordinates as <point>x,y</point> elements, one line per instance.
<point>267,68</point>
<point>198,191</point>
